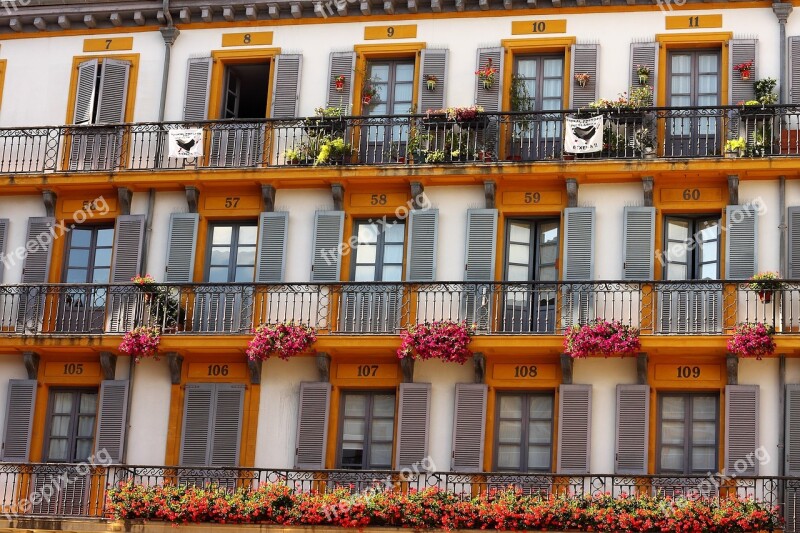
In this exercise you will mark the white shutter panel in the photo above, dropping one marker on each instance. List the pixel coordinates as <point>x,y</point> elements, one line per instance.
<point>741,429</point>
<point>327,257</point>
<point>3,245</point>
<point>312,425</point>
<point>740,51</point>
<point>481,237</point>
<point>112,418</point>
<point>644,54</point>
<point>584,61</point>
<point>469,427</point>
<point>794,70</point>
<point>19,420</point>
<point>85,92</point>
<point>434,62</point>
<point>341,64</point>
<point>227,424</point>
<point>794,242</point>
<point>113,91</point>
<point>198,408</point>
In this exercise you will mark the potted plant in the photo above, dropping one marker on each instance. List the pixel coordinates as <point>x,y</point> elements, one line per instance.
<point>162,310</point>
<point>292,156</point>
<point>445,340</point>
<point>735,147</point>
<point>338,82</point>
<point>752,340</point>
<point>437,118</point>
<point>766,283</point>
<point>430,82</point>
<point>582,79</point>
<point>331,151</point>
<point>643,142</point>
<point>284,340</point>
<point>369,94</point>
<point>327,120</point>
<point>765,91</point>
<point>469,117</point>
<point>744,69</point>
<point>486,75</point>
<point>434,156</point>
<point>141,342</point>
<point>416,144</point>
<point>601,337</point>
<point>643,72</point>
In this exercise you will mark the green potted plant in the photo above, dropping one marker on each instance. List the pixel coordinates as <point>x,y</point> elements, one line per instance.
<point>416,144</point>
<point>643,72</point>
<point>430,82</point>
<point>434,156</point>
<point>766,283</point>
<point>765,91</point>
<point>292,156</point>
<point>326,121</point>
<point>735,147</point>
<point>332,151</point>
<point>644,142</point>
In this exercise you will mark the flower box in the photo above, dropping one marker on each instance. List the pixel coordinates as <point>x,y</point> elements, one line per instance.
<point>283,340</point>
<point>443,340</point>
<point>752,340</point>
<point>438,121</point>
<point>601,337</point>
<point>324,126</point>
<point>480,122</point>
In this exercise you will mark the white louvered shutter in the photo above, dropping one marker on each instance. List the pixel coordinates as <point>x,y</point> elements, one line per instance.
<point>579,243</point>
<point>741,430</point>
<point>584,61</point>
<point>19,420</point>
<point>112,418</point>
<point>469,427</point>
<point>198,82</point>
<point>434,62</point>
<point>741,51</point>
<point>341,64</point>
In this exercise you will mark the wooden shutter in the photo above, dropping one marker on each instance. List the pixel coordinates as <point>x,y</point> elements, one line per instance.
<point>644,54</point>
<point>794,70</point>
<point>638,238</point>
<point>433,61</point>
<point>794,242</point>
<point>584,61</point>
<point>579,243</point>
<point>36,267</point>
<point>341,64</point>
<point>112,418</point>
<point>271,256</point>
<point>740,51</point>
<point>226,428</point>
<point>469,427</point>
<point>491,99</point>
<point>792,425</point>
<point>113,91</point>
<point>198,406</point>
<point>413,414</point>
<point>422,241</point>
<point>574,428</point>
<point>741,260</point>
<point>85,92</point>
<point>128,242</point>
<point>633,421</point>
<point>198,82</point>
<point>312,425</point>
<point>19,420</point>
<point>3,245</point>
<point>741,430</point>
<point>327,257</point>
<point>286,91</point>
<point>481,237</point>
<point>181,246</point>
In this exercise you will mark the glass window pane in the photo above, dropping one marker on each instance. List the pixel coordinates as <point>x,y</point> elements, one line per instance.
<point>379,72</point>
<point>681,85</point>
<point>704,408</point>
<point>526,68</point>
<point>405,72</point>
<point>221,235</point>
<point>220,256</point>
<point>366,253</point>
<point>673,407</point>
<point>707,83</point>
<point>246,256</point>
<point>383,405</point>
<point>703,459</point>
<point>553,67</point>
<point>510,407</point>
<point>353,429</point>
<point>681,64</point>
<point>672,458</point>
<point>704,433</point>
<point>85,426</point>
<point>709,271</point>
<point>708,251</point>
<point>508,457</point>
<point>88,404</point>
<point>393,253</point>
<point>518,273</point>
<point>218,274</point>
<point>519,253</point>
<point>83,449</point>
<point>672,432</point>
<point>380,455</point>
<point>392,273</point>
<point>355,405</point>
<point>76,275</point>
<point>676,271</point>
<point>102,257</point>
<point>395,232</point>
<point>57,451</point>
<point>105,237</point>
<point>707,63</point>
<point>62,402</point>
<point>539,458</point>
<point>367,233</point>
<point>552,88</point>
<point>78,258</point>
<point>101,275</point>
<point>678,230</point>
<point>541,406</point>
<point>509,431</point>
<point>403,92</point>
<point>244,274</point>
<point>519,232</point>
<point>540,433</point>
<point>548,254</point>
<point>352,454</point>
<point>382,429</point>
<point>59,426</point>
<point>81,237</point>
<point>548,273</point>
<point>248,235</point>
<point>365,273</point>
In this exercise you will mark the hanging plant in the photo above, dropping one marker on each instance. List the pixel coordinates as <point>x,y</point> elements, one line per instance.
<point>601,337</point>
<point>643,72</point>
<point>430,82</point>
<point>752,340</point>
<point>486,75</point>
<point>284,340</point>
<point>582,79</point>
<point>445,340</point>
<point>765,283</point>
<point>369,92</point>
<point>141,342</point>
<point>744,69</point>
<point>338,82</point>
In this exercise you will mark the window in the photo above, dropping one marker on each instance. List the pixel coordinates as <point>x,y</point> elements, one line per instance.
<point>538,85</point>
<point>71,416</point>
<point>245,94</point>
<point>232,252</point>
<point>693,80</point>
<point>524,434</point>
<point>378,255</point>
<point>393,81</point>
<point>692,248</point>
<point>688,433</point>
<point>367,430</point>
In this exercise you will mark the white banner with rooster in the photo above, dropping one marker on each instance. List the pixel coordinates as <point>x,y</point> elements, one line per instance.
<point>186,143</point>
<point>583,135</point>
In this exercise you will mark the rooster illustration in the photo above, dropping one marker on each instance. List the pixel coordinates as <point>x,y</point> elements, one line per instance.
<point>584,134</point>
<point>186,145</point>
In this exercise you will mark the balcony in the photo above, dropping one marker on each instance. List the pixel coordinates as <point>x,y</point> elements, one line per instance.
<point>708,307</point>
<point>675,133</point>
<point>71,491</point>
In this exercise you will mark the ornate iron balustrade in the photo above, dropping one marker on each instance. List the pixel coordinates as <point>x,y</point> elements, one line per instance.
<point>707,307</point>
<point>673,132</point>
<point>79,490</point>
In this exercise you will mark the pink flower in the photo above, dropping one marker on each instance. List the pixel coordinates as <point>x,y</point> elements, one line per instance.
<point>141,342</point>
<point>444,340</point>
<point>285,340</point>
<point>601,337</point>
<point>752,340</point>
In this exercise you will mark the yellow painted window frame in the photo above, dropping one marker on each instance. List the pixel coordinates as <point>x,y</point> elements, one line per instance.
<point>517,47</point>
<point>132,82</point>
<point>369,52</point>
<point>688,41</point>
<point>221,58</point>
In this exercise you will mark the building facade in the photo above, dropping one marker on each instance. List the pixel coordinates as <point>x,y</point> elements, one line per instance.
<point>182,140</point>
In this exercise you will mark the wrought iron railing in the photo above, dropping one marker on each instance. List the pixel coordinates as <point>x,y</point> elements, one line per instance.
<point>536,308</point>
<point>79,490</point>
<point>671,132</point>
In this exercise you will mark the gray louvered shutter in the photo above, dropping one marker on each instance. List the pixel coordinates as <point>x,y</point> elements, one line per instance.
<point>198,81</point>
<point>112,418</point>
<point>198,406</point>
<point>327,257</point>
<point>741,260</point>
<point>584,61</point>
<point>422,240</point>
<point>85,92</point>
<point>794,242</point>
<point>469,427</point>
<point>312,425</point>
<point>740,51</point>
<point>491,99</point>
<point>633,422</point>
<point>19,420</point>
<point>286,91</point>
<point>638,238</point>
<point>794,70</point>
<point>227,424</point>
<point>644,54</point>
<point>181,245</point>
<point>113,91</point>
<point>579,243</point>
<point>271,256</point>
<point>574,428</point>
<point>3,245</point>
<point>481,238</point>
<point>413,414</point>
<point>128,243</point>
<point>36,267</point>
<point>341,64</point>
<point>741,429</point>
<point>792,425</point>
<point>433,61</point>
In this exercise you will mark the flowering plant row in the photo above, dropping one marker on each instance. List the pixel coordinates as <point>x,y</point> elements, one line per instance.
<point>283,340</point>
<point>752,340</point>
<point>444,340</point>
<point>506,510</point>
<point>141,342</point>
<point>601,337</point>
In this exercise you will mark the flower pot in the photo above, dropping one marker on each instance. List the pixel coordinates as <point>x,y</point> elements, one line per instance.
<point>734,154</point>
<point>745,74</point>
<point>339,86</point>
<point>765,296</point>
<point>431,85</point>
<point>436,122</point>
<point>649,153</point>
<point>367,99</point>
<point>324,126</point>
<point>487,84</point>
<point>582,83</point>
<point>643,79</point>
<point>479,122</point>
